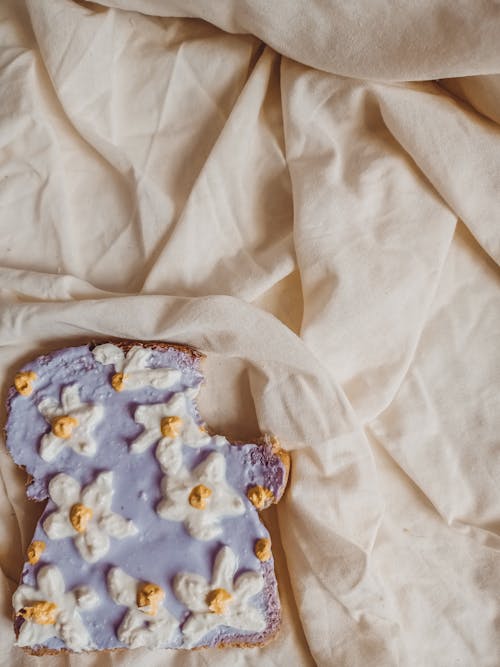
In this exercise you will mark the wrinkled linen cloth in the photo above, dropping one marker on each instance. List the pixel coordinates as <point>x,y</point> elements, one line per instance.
<point>308,192</point>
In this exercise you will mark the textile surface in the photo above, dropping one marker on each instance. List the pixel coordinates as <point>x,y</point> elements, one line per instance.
<point>308,192</point>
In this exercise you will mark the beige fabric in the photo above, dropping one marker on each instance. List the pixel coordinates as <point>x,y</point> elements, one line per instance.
<point>268,187</point>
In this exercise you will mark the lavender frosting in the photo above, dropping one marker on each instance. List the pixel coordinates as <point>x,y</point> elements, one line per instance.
<point>161,549</point>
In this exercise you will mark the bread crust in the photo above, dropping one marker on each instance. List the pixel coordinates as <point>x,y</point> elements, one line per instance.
<point>127,343</point>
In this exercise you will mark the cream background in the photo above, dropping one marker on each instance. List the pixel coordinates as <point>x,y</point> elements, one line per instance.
<point>269,187</point>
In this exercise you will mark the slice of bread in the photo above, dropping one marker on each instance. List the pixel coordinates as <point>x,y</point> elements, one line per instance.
<point>151,533</point>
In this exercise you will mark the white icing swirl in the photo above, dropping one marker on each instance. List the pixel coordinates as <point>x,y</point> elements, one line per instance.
<point>193,591</point>
<point>138,628</point>
<point>134,366</point>
<point>68,625</point>
<point>188,432</point>
<point>222,501</point>
<point>93,540</point>
<point>85,416</point>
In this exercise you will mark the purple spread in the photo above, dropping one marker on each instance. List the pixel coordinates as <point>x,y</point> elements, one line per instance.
<point>161,548</point>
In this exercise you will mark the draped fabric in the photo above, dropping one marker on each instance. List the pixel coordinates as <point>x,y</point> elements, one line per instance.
<point>308,192</point>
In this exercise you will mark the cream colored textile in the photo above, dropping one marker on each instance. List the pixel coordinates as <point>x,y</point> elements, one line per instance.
<point>284,187</point>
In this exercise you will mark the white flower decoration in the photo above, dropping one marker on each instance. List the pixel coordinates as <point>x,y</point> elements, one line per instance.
<point>51,612</point>
<point>171,425</point>
<point>72,424</point>
<point>225,601</point>
<point>132,371</point>
<point>139,627</point>
<point>86,515</point>
<point>200,498</point>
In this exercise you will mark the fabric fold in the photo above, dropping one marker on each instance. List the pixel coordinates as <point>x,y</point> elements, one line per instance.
<point>393,41</point>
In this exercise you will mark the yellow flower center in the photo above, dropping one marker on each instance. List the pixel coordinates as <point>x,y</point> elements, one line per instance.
<point>260,496</point>
<point>217,600</point>
<point>35,550</point>
<point>170,426</point>
<point>62,427</point>
<point>150,595</point>
<point>262,549</point>
<point>79,516</point>
<point>198,496</point>
<point>43,613</point>
<point>22,382</point>
<point>118,381</point>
